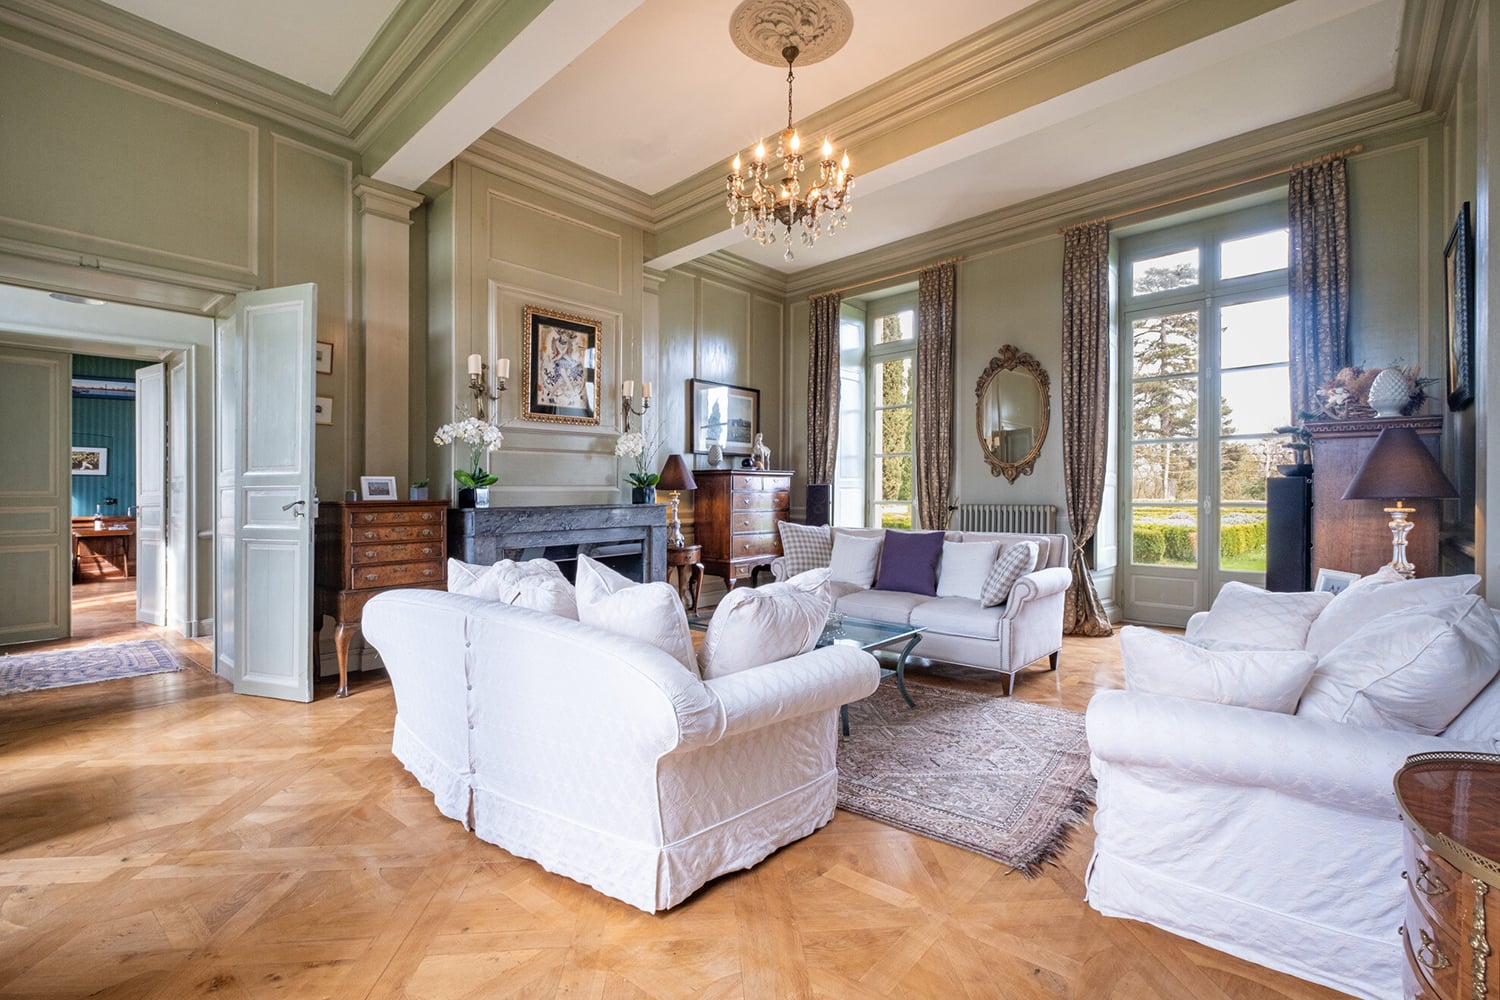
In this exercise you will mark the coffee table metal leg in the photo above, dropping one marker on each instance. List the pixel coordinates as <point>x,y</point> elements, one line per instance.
<point>844,718</point>
<point>901,670</point>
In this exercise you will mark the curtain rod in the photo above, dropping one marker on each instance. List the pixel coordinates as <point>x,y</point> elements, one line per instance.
<point>888,277</point>
<point>1360,148</point>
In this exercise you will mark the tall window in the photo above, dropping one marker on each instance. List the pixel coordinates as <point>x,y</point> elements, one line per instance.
<point>1204,323</point>
<point>877,413</point>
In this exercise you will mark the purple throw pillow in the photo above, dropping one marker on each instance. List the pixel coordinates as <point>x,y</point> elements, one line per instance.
<point>909,562</point>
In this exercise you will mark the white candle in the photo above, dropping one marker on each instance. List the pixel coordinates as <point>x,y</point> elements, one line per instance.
<point>502,368</point>
<point>476,364</point>
<point>629,389</point>
<point>645,390</point>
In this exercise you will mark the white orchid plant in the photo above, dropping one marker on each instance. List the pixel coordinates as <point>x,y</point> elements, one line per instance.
<point>482,437</point>
<point>633,444</point>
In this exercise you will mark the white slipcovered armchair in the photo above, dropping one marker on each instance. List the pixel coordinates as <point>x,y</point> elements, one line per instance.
<point>602,757</point>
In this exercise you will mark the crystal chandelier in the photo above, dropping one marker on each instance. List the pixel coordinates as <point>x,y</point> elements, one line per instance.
<point>761,205</point>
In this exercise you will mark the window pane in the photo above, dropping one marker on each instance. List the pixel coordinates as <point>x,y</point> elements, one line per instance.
<point>892,515</point>
<point>1253,254</point>
<point>1242,539</point>
<point>893,382</point>
<point>1164,472</point>
<point>893,477</point>
<point>1166,536</point>
<point>1160,274</point>
<point>902,326</point>
<point>1244,466</point>
<point>1256,401</point>
<point>851,335</point>
<point>1254,333</point>
<point>1165,408</point>
<point>1165,345</point>
<point>894,431</point>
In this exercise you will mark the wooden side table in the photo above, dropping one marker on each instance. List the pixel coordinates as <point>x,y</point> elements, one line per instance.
<point>688,562</point>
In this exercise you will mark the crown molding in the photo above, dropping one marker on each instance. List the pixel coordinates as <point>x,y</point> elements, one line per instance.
<point>398,46</point>
<point>1213,166</point>
<point>1434,40</point>
<point>506,156</point>
<point>723,266</point>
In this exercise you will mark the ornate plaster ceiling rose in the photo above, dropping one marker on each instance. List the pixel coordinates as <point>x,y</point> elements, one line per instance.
<point>763,29</point>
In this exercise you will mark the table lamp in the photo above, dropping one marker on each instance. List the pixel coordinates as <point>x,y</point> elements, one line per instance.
<point>1400,468</point>
<point>675,477</point>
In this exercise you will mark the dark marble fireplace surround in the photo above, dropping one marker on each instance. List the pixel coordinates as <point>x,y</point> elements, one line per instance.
<point>630,538</point>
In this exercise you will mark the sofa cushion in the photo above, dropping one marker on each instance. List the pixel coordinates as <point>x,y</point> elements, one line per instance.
<point>758,625</point>
<point>536,584</point>
<point>1014,562</point>
<point>804,546</point>
<point>880,605</point>
<point>1270,680</point>
<point>909,562</point>
<point>1480,720</point>
<point>964,567</point>
<point>959,616</point>
<point>854,558</point>
<point>652,612</point>
<point>1256,617</point>
<point>1374,596</point>
<point>1413,669</point>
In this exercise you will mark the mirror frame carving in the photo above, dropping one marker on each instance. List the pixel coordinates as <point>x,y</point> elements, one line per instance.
<point>1012,358</point>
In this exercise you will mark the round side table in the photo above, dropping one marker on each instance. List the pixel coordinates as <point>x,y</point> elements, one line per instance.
<point>688,562</point>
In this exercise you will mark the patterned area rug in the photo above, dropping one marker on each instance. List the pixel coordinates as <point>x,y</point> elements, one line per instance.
<point>1007,779</point>
<point>65,667</point>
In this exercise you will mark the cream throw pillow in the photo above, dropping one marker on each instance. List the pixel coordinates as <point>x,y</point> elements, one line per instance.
<point>1412,670</point>
<point>964,568</point>
<point>757,625</point>
<point>1270,680</point>
<point>1375,596</point>
<point>854,559</point>
<point>536,584</point>
<point>1256,617</point>
<point>652,612</point>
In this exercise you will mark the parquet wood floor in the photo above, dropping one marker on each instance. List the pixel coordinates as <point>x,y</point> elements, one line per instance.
<point>162,838</point>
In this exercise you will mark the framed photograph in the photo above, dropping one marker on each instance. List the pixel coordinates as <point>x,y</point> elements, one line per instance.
<point>1458,277</point>
<point>88,461</point>
<point>1332,581</point>
<point>560,367</point>
<point>725,415</point>
<point>377,487</point>
<point>323,358</point>
<point>103,387</point>
<point>322,409</point>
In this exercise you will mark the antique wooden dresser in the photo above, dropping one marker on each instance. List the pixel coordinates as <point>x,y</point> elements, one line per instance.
<point>735,513</point>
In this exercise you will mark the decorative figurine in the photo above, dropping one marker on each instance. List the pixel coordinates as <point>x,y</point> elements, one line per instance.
<point>760,453</point>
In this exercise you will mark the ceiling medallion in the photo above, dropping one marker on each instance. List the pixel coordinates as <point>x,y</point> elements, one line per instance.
<point>811,30</point>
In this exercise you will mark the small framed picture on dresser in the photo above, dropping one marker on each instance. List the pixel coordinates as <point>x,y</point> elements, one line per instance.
<point>1333,581</point>
<point>377,487</point>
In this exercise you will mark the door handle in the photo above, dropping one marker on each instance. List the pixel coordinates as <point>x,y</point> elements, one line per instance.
<point>298,504</point>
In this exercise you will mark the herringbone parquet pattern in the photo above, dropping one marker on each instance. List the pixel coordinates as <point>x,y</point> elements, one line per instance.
<point>162,838</point>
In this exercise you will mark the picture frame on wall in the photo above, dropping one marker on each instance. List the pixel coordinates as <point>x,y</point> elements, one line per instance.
<point>723,415</point>
<point>1333,581</point>
<point>323,357</point>
<point>560,367</point>
<point>1458,279</point>
<point>377,487</point>
<point>322,409</point>
<point>90,461</point>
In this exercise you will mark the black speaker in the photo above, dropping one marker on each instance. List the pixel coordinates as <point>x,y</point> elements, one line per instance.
<point>1289,533</point>
<point>819,503</point>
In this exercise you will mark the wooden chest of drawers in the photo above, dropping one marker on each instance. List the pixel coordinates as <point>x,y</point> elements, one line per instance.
<point>735,514</point>
<point>364,547</point>
<point>1450,805</point>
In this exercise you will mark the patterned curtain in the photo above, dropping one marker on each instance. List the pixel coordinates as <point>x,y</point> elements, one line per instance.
<point>1318,275</point>
<point>822,386</point>
<point>1085,404</point>
<point>936,307</point>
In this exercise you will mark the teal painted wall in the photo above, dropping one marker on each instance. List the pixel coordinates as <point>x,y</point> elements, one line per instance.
<point>105,423</point>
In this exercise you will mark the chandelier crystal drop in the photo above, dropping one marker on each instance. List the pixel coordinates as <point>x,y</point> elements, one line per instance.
<point>771,209</point>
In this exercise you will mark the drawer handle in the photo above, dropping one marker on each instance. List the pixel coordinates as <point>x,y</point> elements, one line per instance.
<point>372,577</point>
<point>368,518</point>
<point>370,536</point>
<point>369,553</point>
<point>428,572</point>
<point>427,550</point>
<point>1438,959</point>
<point>1427,883</point>
<point>427,515</point>
<point>426,532</point>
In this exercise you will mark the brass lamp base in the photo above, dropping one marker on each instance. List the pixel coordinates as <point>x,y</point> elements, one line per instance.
<point>1400,528</point>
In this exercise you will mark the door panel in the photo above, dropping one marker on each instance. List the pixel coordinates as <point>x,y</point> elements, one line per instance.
<point>151,494</point>
<point>36,502</point>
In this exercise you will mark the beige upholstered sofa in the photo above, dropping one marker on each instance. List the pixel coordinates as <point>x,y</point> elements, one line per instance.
<point>1006,638</point>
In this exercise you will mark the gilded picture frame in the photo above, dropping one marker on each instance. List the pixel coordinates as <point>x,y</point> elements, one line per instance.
<point>560,367</point>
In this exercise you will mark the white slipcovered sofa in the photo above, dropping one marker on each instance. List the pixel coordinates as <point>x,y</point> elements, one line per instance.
<point>602,757</point>
<point>1006,638</point>
<point>1276,836</point>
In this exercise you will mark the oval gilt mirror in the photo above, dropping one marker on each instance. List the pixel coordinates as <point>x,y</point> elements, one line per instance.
<point>1012,411</point>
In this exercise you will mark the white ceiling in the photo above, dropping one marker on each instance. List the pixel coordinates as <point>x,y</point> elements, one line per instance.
<point>652,92</point>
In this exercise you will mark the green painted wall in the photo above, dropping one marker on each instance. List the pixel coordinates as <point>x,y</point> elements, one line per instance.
<point>105,423</point>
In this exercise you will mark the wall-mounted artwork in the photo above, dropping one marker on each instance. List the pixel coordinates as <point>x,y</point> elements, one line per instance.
<point>725,415</point>
<point>560,367</point>
<point>322,409</point>
<point>323,357</point>
<point>103,387</point>
<point>1458,275</point>
<point>89,461</point>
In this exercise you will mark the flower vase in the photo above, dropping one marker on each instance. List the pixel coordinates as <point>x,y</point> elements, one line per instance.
<point>643,494</point>
<point>481,496</point>
<point>466,496</point>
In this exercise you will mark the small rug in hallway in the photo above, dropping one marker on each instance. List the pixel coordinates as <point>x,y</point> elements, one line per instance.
<point>53,668</point>
<point>1007,779</point>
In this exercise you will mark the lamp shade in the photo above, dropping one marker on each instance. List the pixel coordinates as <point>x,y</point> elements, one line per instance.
<point>676,475</point>
<point>1399,467</point>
